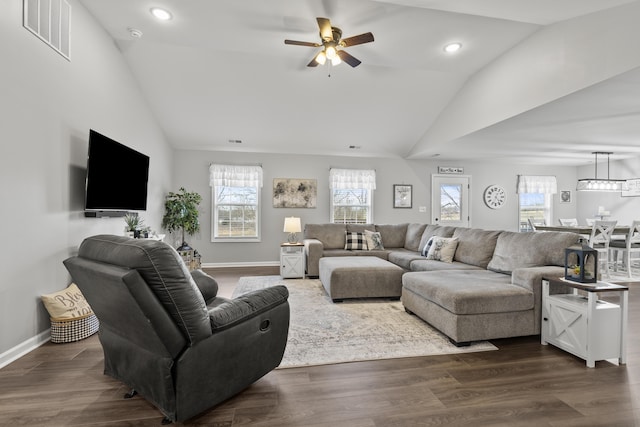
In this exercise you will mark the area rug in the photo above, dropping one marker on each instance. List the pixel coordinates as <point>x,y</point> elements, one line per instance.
<point>322,332</point>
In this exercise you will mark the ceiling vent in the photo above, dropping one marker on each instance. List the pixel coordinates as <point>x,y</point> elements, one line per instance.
<point>50,21</point>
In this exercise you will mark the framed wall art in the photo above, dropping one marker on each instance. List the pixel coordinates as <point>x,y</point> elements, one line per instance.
<point>402,196</point>
<point>295,193</point>
<point>565,196</point>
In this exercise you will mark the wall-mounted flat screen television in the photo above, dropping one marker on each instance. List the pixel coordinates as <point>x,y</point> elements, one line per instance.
<point>116,176</point>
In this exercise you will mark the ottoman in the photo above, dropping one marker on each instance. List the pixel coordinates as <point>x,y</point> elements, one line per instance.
<point>360,277</point>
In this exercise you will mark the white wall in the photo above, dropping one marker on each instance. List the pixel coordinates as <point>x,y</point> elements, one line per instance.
<point>191,170</point>
<point>47,106</point>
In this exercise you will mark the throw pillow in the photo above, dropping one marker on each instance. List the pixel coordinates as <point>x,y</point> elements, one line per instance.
<point>425,250</point>
<point>355,241</point>
<point>67,304</point>
<point>374,240</point>
<point>442,249</point>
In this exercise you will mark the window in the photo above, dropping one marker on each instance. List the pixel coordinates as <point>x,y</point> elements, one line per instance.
<point>352,195</point>
<point>534,200</point>
<point>535,207</point>
<point>235,192</point>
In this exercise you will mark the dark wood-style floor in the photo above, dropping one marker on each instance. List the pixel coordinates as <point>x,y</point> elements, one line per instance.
<point>521,384</point>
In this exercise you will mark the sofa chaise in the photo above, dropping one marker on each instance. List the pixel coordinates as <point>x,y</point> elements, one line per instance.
<point>490,288</point>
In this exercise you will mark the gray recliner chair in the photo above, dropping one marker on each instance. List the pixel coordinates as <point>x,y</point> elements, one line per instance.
<point>164,331</point>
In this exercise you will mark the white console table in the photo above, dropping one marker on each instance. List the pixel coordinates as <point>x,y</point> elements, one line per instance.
<point>585,326</point>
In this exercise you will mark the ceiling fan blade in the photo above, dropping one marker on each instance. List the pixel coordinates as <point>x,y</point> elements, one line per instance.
<point>325,28</point>
<point>349,59</point>
<point>313,62</point>
<point>360,39</point>
<point>298,43</point>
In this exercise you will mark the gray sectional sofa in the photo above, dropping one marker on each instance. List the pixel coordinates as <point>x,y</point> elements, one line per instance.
<point>491,289</point>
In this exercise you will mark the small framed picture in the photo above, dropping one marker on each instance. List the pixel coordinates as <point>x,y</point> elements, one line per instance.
<point>402,196</point>
<point>565,196</point>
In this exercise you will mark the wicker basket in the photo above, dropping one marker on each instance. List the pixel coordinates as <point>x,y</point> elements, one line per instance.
<point>69,330</point>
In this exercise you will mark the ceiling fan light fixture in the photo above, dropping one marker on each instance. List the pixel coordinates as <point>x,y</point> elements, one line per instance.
<point>321,58</point>
<point>331,52</point>
<point>336,61</point>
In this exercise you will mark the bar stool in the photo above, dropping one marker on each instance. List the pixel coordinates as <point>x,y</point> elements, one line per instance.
<point>600,239</point>
<point>630,244</point>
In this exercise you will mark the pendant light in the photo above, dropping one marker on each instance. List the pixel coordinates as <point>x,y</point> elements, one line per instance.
<point>595,184</point>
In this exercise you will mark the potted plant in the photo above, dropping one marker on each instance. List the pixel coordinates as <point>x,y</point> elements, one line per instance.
<point>134,224</point>
<point>181,213</point>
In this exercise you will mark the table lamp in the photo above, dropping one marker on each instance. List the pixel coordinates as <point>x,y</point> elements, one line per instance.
<point>292,226</point>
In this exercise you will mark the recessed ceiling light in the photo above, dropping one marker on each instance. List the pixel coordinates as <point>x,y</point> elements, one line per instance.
<point>161,14</point>
<point>452,47</point>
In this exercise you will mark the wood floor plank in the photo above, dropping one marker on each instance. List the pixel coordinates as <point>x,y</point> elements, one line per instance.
<point>523,384</point>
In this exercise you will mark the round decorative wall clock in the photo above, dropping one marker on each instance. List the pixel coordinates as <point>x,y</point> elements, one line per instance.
<point>494,196</point>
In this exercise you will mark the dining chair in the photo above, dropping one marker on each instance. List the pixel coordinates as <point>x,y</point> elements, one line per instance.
<point>534,223</point>
<point>631,244</point>
<point>600,239</point>
<point>568,222</point>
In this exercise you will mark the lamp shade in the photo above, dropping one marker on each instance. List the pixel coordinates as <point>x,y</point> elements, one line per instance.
<point>292,225</point>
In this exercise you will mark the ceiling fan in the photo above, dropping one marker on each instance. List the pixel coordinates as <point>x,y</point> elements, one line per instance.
<point>332,44</point>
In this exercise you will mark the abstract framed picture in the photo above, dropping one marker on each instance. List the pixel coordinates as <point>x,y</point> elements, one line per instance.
<point>402,196</point>
<point>295,193</point>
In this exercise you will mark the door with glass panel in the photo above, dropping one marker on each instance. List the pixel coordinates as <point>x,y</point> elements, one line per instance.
<point>450,200</point>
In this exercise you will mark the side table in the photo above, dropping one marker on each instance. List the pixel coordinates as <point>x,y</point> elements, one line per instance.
<point>292,260</point>
<point>587,327</point>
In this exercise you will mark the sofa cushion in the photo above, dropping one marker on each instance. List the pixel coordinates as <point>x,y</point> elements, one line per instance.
<point>355,241</point>
<point>423,264</point>
<point>413,236</point>
<point>393,235</point>
<point>534,249</point>
<point>331,235</point>
<point>374,240</point>
<point>442,249</point>
<point>403,257</point>
<point>475,246</point>
<point>469,291</point>
<point>360,228</point>
<point>434,230</point>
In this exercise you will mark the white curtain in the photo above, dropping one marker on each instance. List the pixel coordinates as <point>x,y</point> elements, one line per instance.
<point>235,176</point>
<point>342,179</point>
<point>546,184</point>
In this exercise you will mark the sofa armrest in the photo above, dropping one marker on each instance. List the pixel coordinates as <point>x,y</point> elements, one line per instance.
<point>207,284</point>
<point>247,306</point>
<point>531,278</point>
<point>313,249</point>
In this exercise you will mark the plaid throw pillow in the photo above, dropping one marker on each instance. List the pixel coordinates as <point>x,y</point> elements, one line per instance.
<point>355,241</point>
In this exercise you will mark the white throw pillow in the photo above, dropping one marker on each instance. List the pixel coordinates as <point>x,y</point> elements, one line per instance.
<point>443,249</point>
<point>374,240</point>
<point>427,246</point>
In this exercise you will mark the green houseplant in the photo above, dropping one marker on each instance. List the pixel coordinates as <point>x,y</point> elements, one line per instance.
<point>134,223</point>
<point>181,214</point>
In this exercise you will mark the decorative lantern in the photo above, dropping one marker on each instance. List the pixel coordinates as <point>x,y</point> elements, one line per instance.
<point>581,263</point>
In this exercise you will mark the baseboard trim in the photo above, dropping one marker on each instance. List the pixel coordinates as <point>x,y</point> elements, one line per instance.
<point>23,348</point>
<point>240,264</point>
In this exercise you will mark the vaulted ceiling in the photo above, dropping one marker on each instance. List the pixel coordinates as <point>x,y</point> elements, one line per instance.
<point>536,81</point>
